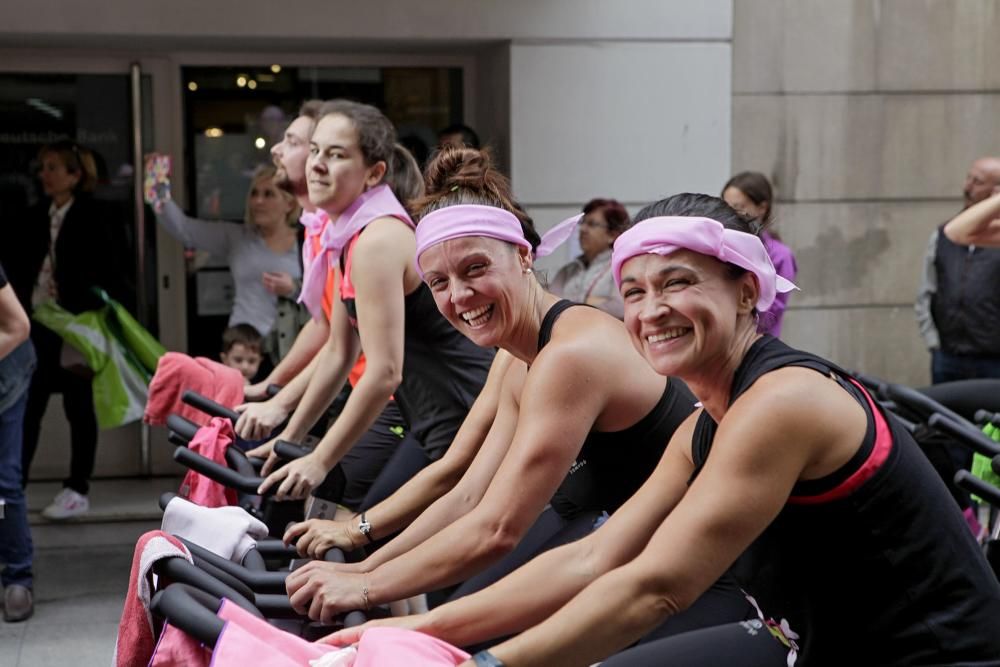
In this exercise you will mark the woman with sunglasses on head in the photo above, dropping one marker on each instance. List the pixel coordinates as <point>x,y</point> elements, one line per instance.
<point>587,279</point>
<point>790,476</point>
<point>582,419</point>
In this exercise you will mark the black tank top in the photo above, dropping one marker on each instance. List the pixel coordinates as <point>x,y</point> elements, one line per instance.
<point>872,564</point>
<point>611,467</point>
<point>443,371</point>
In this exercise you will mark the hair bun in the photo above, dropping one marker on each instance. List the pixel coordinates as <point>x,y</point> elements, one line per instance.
<point>460,168</point>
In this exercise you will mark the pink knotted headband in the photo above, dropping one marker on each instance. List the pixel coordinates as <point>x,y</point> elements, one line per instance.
<point>489,221</point>
<point>664,235</point>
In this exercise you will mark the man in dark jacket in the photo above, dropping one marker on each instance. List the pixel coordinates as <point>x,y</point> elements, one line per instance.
<point>958,308</point>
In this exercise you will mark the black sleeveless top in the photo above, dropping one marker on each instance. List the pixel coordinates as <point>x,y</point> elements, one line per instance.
<point>443,371</point>
<point>611,467</point>
<point>873,564</point>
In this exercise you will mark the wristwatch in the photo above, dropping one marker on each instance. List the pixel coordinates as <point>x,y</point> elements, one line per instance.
<point>365,528</point>
<point>486,659</point>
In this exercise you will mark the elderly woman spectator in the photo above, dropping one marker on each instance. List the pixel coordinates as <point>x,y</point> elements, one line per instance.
<point>587,279</point>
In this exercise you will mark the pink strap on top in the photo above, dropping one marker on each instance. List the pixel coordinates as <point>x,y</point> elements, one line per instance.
<point>314,274</point>
<point>489,221</point>
<point>379,202</point>
<point>667,234</point>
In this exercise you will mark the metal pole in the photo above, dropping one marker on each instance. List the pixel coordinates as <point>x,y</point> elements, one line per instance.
<point>145,451</point>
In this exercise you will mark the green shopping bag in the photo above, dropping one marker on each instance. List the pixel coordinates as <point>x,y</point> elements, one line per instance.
<point>120,352</point>
<point>981,467</point>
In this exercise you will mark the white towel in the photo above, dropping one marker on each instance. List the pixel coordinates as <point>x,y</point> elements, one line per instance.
<point>229,532</point>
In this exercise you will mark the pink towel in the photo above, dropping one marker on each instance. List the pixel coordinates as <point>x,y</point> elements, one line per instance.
<point>177,372</point>
<point>396,646</point>
<point>134,645</point>
<point>176,648</point>
<point>247,640</point>
<point>211,442</point>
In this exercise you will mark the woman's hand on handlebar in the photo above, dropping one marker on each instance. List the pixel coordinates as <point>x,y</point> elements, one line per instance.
<point>256,392</point>
<point>350,636</point>
<point>266,452</point>
<point>322,590</point>
<point>258,420</point>
<point>296,479</point>
<point>317,536</point>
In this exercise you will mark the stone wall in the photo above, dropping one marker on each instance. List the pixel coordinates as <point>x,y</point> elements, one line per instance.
<point>866,114</point>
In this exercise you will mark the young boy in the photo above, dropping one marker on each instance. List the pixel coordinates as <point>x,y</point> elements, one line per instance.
<point>241,349</point>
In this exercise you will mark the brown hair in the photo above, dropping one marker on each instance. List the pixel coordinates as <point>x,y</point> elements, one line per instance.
<point>310,109</point>
<point>615,215</point>
<point>463,175</point>
<point>377,140</point>
<point>755,186</point>
<point>77,159</point>
<point>241,334</point>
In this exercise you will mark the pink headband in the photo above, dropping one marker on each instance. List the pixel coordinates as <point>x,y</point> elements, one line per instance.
<point>495,223</point>
<point>664,235</point>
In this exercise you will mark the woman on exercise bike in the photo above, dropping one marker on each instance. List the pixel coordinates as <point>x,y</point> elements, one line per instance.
<point>789,474</point>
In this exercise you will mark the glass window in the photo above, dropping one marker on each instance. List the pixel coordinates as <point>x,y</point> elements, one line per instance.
<point>233,115</point>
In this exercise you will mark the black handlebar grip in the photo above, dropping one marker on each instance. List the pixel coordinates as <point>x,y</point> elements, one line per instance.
<point>182,426</point>
<point>985,416</point>
<point>973,484</point>
<point>208,406</point>
<point>965,434</point>
<point>219,473</point>
<point>180,605</point>
<point>289,450</point>
<point>272,390</point>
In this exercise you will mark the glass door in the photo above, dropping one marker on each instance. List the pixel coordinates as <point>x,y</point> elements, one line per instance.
<point>105,108</point>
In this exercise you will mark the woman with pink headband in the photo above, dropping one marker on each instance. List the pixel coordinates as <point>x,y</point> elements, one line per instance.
<point>581,423</point>
<point>789,475</point>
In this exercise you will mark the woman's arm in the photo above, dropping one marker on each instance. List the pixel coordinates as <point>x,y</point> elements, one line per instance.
<point>14,323</point>
<point>560,402</point>
<point>402,507</point>
<point>534,592</point>
<point>381,257</point>
<point>468,492</point>
<point>213,237</point>
<point>977,225</point>
<point>741,489</point>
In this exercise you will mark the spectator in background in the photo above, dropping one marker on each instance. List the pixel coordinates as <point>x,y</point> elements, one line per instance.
<point>17,361</point>
<point>241,349</point>
<point>458,135</point>
<point>750,193</point>
<point>977,225</point>
<point>958,307</point>
<point>587,279</point>
<point>263,254</point>
<point>65,248</point>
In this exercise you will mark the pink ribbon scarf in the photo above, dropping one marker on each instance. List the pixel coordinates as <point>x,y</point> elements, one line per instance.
<point>379,202</point>
<point>667,234</point>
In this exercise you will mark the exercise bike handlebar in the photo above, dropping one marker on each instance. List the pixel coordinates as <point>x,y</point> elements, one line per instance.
<point>973,484</point>
<point>984,416</point>
<point>219,473</point>
<point>208,406</point>
<point>965,434</point>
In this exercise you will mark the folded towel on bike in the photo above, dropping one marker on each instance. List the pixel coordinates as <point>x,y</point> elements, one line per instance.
<point>210,441</point>
<point>134,645</point>
<point>227,531</point>
<point>177,372</point>
<point>247,639</point>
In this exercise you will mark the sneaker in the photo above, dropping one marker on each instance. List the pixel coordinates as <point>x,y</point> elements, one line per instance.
<point>17,603</point>
<point>67,504</point>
